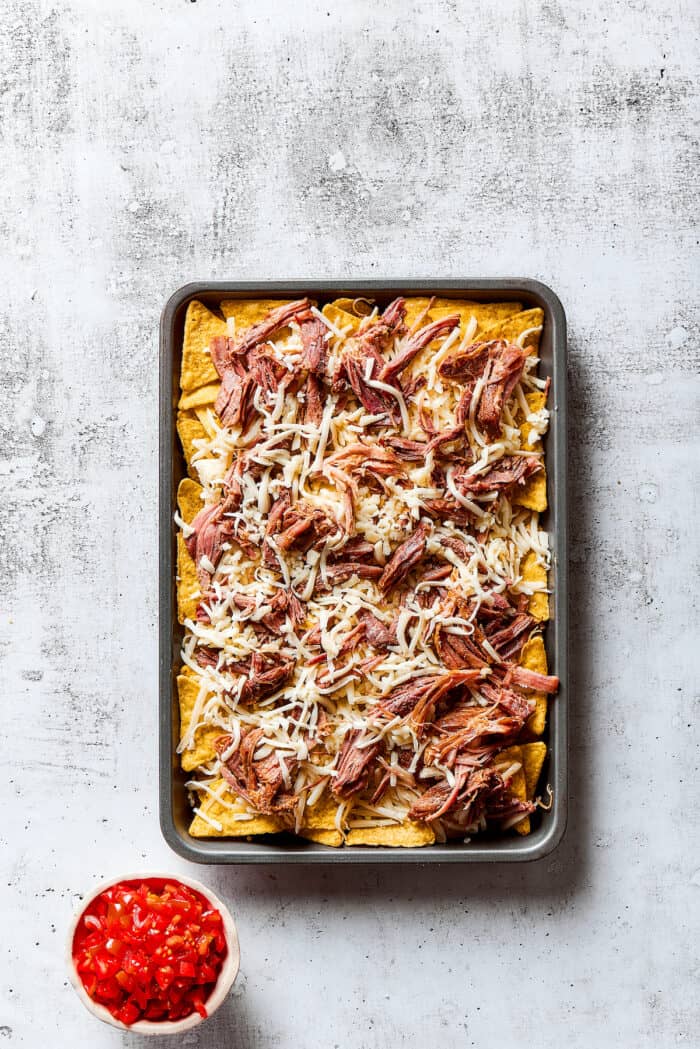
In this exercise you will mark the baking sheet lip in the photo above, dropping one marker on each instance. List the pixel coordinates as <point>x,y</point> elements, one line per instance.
<point>211,851</point>
<point>528,284</point>
<point>216,851</point>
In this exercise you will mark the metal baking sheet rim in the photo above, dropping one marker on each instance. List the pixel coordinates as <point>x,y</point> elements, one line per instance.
<point>174,808</point>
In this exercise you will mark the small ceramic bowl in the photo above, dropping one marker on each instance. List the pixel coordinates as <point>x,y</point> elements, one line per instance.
<point>227,976</point>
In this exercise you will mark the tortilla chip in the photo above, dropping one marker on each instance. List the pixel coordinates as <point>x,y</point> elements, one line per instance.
<point>365,306</point>
<point>340,317</point>
<point>247,312</point>
<point>203,749</point>
<point>534,657</point>
<point>324,837</point>
<point>517,785</point>
<point>201,326</point>
<point>189,499</point>
<point>513,327</point>
<point>486,314</point>
<point>205,395</point>
<point>225,815</point>
<point>536,401</point>
<point>415,305</point>
<point>188,591</point>
<point>403,835</point>
<point>321,816</point>
<point>190,429</point>
<point>533,760</point>
<point>533,572</point>
<point>533,494</point>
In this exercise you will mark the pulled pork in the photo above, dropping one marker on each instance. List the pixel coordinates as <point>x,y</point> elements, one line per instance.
<point>354,765</point>
<point>418,699</point>
<point>259,782</point>
<point>243,364</point>
<point>476,793</point>
<point>409,451</point>
<point>501,376</point>
<point>264,675</point>
<point>378,635</point>
<point>299,527</point>
<point>405,557</point>
<point>363,361</point>
<point>531,680</point>
<point>502,475</point>
<point>211,531</point>
<point>500,364</point>
<point>313,339</point>
<point>391,371</point>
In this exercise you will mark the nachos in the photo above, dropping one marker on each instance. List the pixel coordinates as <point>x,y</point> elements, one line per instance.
<point>362,576</point>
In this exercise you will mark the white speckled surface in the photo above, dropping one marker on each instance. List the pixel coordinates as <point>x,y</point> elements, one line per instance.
<point>146,144</point>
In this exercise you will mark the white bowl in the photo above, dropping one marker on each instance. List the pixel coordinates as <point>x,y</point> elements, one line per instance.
<point>229,969</point>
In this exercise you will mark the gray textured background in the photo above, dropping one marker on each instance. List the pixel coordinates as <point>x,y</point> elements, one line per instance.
<point>146,144</point>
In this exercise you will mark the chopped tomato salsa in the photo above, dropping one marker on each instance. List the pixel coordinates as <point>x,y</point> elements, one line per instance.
<point>150,950</point>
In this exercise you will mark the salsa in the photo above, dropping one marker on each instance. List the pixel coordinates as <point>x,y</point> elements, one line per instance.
<point>150,950</point>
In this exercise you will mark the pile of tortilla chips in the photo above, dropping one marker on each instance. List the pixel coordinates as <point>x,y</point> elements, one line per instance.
<point>220,813</point>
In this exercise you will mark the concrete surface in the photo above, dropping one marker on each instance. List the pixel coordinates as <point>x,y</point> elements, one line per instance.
<point>146,144</point>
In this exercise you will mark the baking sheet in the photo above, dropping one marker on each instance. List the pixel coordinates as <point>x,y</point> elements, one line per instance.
<point>175,811</point>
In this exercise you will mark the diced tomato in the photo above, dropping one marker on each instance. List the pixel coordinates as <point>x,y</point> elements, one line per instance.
<point>104,965</point>
<point>125,980</point>
<point>128,1013</point>
<point>108,991</point>
<point>164,976</point>
<point>150,950</point>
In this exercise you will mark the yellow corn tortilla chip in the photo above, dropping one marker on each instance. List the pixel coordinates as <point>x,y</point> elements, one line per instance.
<point>324,837</point>
<point>189,499</point>
<point>201,326</point>
<point>533,760</point>
<point>416,305</point>
<point>534,657</point>
<point>204,396</point>
<point>536,400</point>
<point>365,306</point>
<point>247,312</point>
<point>533,572</point>
<point>225,816</point>
<point>513,327</point>
<point>486,314</point>
<point>188,591</point>
<point>321,816</point>
<point>518,785</point>
<point>403,835</point>
<point>533,494</point>
<point>189,430</point>
<point>203,749</point>
<point>340,317</point>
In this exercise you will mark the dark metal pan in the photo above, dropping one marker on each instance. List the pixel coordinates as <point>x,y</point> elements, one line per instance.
<point>175,813</point>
